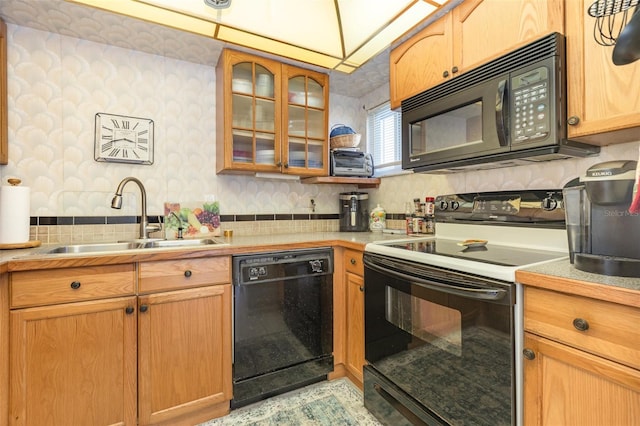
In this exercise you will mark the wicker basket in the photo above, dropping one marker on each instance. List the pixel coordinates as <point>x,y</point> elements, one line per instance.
<point>345,141</point>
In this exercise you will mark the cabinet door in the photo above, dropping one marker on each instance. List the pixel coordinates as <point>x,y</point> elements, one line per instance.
<point>305,148</point>
<point>421,62</point>
<point>4,138</point>
<point>565,386</point>
<point>184,353</point>
<point>485,29</point>
<point>74,364</point>
<point>355,324</point>
<point>249,104</point>
<point>602,97</point>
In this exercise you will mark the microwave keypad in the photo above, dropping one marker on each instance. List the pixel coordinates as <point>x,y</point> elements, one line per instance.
<point>530,105</point>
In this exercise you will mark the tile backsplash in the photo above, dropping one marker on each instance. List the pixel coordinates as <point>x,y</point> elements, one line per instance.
<point>57,84</point>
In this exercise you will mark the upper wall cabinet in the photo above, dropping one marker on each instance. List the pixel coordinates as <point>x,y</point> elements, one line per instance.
<point>471,34</point>
<point>4,139</point>
<point>603,102</point>
<point>271,117</point>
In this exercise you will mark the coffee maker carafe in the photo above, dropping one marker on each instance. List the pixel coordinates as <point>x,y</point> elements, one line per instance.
<point>604,236</point>
<point>354,211</point>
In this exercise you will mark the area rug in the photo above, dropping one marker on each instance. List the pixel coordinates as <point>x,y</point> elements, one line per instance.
<point>337,402</point>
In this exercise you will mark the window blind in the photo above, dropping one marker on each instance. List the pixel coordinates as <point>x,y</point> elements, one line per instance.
<point>384,136</point>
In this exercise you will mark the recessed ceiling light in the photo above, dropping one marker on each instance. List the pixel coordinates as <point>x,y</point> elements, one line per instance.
<point>218,4</point>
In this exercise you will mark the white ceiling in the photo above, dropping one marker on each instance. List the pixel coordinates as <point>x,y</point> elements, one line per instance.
<point>73,20</point>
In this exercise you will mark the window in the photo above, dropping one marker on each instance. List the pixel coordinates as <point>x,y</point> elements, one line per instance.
<point>384,136</point>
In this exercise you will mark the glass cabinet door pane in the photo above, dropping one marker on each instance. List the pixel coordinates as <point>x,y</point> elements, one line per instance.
<point>265,114</point>
<point>264,82</point>
<point>297,152</point>
<point>242,146</point>
<point>315,151</point>
<point>297,91</point>
<point>265,148</point>
<point>242,80</point>
<point>242,111</point>
<point>297,121</point>
<point>315,95</point>
<point>315,123</point>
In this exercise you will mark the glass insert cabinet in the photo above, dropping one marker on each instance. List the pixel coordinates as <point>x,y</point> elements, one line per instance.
<point>271,117</point>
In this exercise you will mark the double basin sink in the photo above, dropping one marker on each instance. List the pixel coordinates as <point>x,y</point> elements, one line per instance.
<point>129,245</point>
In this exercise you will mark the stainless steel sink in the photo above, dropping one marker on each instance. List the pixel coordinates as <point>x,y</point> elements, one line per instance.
<point>181,243</point>
<point>95,248</point>
<point>128,245</point>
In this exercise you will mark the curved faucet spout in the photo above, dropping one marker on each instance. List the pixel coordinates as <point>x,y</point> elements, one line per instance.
<point>116,203</point>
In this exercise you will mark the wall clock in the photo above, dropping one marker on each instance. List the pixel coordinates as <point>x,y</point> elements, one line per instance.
<point>123,139</point>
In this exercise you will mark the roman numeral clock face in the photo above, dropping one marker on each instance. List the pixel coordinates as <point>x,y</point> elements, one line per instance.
<point>123,139</point>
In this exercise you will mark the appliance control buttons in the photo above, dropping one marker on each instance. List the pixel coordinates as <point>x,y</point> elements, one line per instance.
<point>316,265</point>
<point>443,205</point>
<point>455,205</point>
<point>549,203</point>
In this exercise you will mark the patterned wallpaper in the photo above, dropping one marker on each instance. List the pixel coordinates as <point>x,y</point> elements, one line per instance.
<point>57,84</point>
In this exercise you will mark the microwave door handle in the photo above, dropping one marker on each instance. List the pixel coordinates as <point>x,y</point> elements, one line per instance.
<point>502,111</point>
<point>471,293</point>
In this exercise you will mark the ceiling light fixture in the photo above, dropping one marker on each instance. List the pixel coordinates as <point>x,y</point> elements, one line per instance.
<point>333,34</point>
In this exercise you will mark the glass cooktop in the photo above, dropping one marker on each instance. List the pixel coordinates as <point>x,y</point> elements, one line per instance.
<point>493,254</point>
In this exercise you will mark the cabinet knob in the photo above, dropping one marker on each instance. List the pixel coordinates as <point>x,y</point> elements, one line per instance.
<point>454,69</point>
<point>75,285</point>
<point>144,308</point>
<point>279,164</point>
<point>187,273</point>
<point>361,288</point>
<point>529,354</point>
<point>286,165</point>
<point>445,74</point>
<point>580,324</point>
<point>353,261</point>
<point>129,310</point>
<point>573,120</point>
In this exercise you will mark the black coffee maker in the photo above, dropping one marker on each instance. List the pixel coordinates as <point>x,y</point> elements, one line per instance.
<point>354,211</point>
<point>604,236</point>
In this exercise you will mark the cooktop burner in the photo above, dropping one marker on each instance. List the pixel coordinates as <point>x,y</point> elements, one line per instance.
<point>493,254</point>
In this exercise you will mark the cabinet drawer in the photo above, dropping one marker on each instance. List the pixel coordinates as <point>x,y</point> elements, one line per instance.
<point>175,274</point>
<point>353,262</point>
<point>51,286</point>
<point>609,330</point>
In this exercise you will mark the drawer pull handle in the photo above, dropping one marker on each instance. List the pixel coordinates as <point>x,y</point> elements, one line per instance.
<point>580,324</point>
<point>75,285</point>
<point>129,310</point>
<point>529,354</point>
<point>187,273</point>
<point>353,261</point>
<point>144,308</point>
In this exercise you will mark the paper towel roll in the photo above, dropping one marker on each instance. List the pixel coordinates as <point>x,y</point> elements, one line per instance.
<point>14,214</point>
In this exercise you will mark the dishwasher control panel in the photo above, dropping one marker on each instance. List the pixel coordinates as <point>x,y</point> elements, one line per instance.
<point>292,264</point>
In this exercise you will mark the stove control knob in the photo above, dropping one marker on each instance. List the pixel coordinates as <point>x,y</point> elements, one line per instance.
<point>316,265</point>
<point>443,205</point>
<point>549,203</point>
<point>455,205</point>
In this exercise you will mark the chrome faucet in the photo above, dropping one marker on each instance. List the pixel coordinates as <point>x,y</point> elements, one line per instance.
<point>116,203</point>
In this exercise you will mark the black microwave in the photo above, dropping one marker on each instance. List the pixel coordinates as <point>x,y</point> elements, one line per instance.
<point>509,111</point>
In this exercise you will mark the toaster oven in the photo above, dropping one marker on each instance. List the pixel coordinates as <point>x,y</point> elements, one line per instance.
<point>349,162</point>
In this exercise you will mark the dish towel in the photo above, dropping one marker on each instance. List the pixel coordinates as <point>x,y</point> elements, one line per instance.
<point>635,204</point>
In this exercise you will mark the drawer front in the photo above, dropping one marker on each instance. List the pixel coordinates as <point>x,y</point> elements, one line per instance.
<point>602,328</point>
<point>176,274</point>
<point>51,286</point>
<point>353,262</point>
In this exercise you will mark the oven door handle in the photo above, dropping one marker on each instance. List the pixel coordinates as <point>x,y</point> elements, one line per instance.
<point>471,293</point>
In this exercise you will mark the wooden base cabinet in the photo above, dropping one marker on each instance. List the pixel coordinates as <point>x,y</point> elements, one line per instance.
<point>74,364</point>
<point>184,354</point>
<point>354,283</point>
<point>581,361</point>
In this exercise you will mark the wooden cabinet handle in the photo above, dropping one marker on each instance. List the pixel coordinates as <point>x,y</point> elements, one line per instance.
<point>187,273</point>
<point>573,120</point>
<point>129,310</point>
<point>580,324</point>
<point>75,285</point>
<point>529,354</point>
<point>353,261</point>
<point>144,308</point>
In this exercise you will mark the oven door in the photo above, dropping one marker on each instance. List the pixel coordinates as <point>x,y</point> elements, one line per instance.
<point>443,339</point>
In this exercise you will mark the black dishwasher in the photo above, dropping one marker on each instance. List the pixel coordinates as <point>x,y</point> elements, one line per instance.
<point>283,322</point>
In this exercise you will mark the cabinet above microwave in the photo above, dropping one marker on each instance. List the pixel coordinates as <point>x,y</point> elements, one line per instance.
<point>510,111</point>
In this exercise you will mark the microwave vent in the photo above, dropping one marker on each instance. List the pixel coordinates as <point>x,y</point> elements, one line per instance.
<point>549,46</point>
